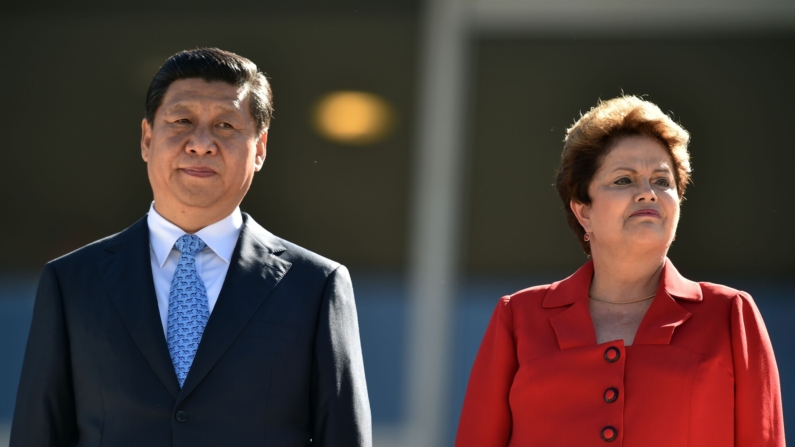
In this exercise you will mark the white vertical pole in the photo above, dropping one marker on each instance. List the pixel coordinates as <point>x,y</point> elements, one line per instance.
<point>436,215</point>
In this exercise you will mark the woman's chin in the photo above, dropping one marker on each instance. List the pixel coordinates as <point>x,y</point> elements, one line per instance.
<point>650,242</point>
<point>642,242</point>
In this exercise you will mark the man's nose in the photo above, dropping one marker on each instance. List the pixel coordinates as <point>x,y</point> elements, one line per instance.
<point>201,142</point>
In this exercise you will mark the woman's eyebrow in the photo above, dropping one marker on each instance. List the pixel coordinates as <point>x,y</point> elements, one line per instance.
<point>632,170</point>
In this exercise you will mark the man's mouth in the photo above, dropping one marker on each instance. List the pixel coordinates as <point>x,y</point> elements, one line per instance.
<point>198,171</point>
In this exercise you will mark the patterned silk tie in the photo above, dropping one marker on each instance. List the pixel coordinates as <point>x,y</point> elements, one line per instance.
<point>188,311</point>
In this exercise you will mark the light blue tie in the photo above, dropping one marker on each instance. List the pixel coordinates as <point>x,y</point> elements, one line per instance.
<point>188,311</point>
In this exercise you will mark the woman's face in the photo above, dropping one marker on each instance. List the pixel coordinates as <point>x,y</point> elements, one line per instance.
<point>634,202</point>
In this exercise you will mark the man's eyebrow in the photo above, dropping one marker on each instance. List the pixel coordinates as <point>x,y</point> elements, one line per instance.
<point>179,107</point>
<point>185,106</point>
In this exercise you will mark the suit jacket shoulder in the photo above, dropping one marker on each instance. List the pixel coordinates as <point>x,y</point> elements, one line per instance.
<point>99,249</point>
<point>296,254</point>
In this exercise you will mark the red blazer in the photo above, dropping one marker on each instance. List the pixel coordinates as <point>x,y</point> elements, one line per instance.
<point>701,372</point>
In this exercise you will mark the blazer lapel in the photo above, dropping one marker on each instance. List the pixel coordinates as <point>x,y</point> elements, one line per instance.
<point>127,275</point>
<point>573,327</point>
<point>665,314</point>
<point>255,269</point>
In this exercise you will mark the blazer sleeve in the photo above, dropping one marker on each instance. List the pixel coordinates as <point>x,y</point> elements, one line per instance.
<point>341,406</point>
<point>486,415</point>
<point>45,406</point>
<point>757,406</point>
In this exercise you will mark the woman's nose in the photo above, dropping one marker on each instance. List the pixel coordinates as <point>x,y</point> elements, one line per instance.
<point>646,192</point>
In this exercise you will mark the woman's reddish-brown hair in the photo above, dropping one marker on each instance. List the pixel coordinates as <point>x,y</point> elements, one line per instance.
<point>596,132</point>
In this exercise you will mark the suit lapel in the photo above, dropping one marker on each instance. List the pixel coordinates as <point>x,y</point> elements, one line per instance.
<point>127,275</point>
<point>255,269</point>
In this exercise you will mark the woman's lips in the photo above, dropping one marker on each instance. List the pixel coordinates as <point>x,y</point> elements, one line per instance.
<point>645,212</point>
<point>198,171</point>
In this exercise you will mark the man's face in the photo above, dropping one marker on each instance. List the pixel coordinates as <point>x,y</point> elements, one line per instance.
<point>202,149</point>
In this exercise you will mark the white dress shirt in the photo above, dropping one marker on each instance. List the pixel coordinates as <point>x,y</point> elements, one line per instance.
<point>212,263</point>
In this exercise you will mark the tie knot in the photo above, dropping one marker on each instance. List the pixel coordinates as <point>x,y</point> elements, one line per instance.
<point>190,244</point>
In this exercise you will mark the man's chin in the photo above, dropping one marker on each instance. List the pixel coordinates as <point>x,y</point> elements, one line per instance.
<point>198,199</point>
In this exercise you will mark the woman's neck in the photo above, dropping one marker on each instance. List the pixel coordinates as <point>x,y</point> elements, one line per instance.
<point>623,277</point>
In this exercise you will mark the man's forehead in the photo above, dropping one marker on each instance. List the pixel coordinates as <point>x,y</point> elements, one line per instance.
<point>198,92</point>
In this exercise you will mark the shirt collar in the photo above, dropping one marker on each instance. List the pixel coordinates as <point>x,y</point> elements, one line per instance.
<point>220,237</point>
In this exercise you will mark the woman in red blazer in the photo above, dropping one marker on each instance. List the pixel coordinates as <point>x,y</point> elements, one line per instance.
<point>625,351</point>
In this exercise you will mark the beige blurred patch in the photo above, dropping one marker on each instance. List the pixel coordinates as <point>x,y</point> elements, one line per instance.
<point>353,117</point>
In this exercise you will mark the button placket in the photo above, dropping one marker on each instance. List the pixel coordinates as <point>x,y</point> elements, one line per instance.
<point>613,357</point>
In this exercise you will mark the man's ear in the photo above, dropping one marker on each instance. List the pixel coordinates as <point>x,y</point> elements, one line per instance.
<point>259,156</point>
<point>583,214</point>
<point>146,139</point>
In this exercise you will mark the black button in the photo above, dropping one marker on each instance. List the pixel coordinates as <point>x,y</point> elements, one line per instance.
<point>612,354</point>
<point>611,394</point>
<point>609,434</point>
<point>181,416</point>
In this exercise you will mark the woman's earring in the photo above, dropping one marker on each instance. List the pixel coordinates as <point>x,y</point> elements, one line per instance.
<point>586,237</point>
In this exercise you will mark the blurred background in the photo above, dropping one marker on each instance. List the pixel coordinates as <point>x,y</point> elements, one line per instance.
<point>416,142</point>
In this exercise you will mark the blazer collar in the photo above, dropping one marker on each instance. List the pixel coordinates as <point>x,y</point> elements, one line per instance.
<point>574,327</point>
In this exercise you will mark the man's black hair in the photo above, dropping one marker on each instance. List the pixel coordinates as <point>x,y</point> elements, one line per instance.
<point>213,64</point>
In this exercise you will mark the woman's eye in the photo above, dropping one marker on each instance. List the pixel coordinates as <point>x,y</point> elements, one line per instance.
<point>663,182</point>
<point>622,181</point>
<point>225,126</point>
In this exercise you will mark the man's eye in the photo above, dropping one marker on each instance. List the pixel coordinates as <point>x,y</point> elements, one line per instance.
<point>225,126</point>
<point>182,121</point>
<point>623,181</point>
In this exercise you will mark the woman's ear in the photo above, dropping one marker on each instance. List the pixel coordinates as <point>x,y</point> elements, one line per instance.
<point>583,214</point>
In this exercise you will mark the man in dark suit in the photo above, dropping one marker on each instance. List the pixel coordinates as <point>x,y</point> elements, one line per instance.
<point>195,326</point>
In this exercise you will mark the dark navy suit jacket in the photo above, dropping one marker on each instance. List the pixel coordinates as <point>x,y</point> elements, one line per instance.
<point>279,364</point>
